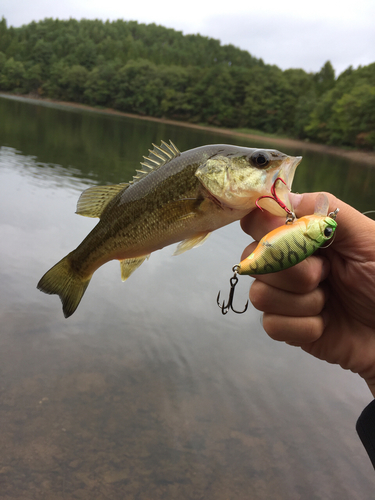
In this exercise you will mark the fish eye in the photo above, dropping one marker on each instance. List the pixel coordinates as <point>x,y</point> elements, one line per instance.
<point>260,159</point>
<point>328,232</point>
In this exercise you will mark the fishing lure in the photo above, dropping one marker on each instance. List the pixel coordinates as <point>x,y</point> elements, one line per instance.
<point>286,246</point>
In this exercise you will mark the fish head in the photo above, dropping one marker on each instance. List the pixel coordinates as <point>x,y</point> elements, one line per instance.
<point>320,228</point>
<point>238,180</point>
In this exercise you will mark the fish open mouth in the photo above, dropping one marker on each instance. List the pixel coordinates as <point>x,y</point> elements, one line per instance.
<point>277,202</point>
<point>275,197</point>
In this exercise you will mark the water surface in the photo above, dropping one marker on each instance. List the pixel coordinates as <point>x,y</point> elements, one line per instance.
<point>147,391</point>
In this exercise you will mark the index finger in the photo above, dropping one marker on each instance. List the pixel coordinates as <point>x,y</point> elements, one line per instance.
<point>258,223</point>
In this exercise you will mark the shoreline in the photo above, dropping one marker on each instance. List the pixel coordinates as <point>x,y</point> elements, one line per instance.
<point>366,157</point>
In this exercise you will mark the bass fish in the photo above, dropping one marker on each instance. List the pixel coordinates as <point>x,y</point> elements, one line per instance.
<point>176,197</point>
<point>288,245</point>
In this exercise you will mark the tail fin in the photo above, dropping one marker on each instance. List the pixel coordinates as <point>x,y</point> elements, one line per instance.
<point>63,281</point>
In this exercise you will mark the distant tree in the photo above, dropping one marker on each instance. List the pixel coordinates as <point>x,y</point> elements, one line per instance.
<point>86,54</point>
<point>268,100</point>
<point>73,83</point>
<point>138,88</point>
<point>99,86</point>
<point>318,127</point>
<point>344,114</point>
<point>42,53</point>
<point>4,35</point>
<point>2,61</point>
<point>33,79</point>
<point>175,102</point>
<point>304,107</point>
<point>12,76</point>
<point>211,99</point>
<point>157,71</point>
<point>66,82</point>
<point>53,86</point>
<point>353,120</point>
<point>325,79</point>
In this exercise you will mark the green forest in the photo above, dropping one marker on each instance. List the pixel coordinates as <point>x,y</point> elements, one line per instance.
<point>155,71</point>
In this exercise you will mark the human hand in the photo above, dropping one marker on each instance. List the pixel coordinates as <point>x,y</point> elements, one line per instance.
<point>325,304</point>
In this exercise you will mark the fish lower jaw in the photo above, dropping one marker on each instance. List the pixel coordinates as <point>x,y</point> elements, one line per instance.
<point>272,206</point>
<point>240,203</point>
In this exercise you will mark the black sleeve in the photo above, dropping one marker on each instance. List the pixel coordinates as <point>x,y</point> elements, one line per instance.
<point>366,430</point>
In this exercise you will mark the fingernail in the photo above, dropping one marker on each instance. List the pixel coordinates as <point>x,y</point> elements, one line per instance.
<point>295,199</point>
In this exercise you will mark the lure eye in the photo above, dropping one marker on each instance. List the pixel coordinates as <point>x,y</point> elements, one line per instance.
<point>260,159</point>
<point>328,232</point>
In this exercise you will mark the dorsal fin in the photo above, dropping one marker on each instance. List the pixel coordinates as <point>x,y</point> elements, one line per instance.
<point>159,156</point>
<point>93,200</point>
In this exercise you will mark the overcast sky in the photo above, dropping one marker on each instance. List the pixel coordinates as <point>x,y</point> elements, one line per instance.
<point>288,33</point>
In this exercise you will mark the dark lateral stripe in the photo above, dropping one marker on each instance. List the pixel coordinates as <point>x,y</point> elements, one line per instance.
<point>254,268</point>
<point>302,247</point>
<point>267,266</point>
<point>292,253</point>
<point>280,260</point>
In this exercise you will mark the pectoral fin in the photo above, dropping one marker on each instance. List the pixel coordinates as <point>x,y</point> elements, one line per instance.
<point>194,241</point>
<point>93,200</point>
<point>128,266</point>
<point>184,210</point>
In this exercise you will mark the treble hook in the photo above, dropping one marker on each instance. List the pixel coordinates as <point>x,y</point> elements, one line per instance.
<point>233,282</point>
<point>290,215</point>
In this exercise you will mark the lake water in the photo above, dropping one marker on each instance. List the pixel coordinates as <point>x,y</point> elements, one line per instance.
<point>148,392</point>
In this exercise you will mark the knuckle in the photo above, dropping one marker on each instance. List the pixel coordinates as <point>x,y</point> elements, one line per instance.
<point>309,275</point>
<point>318,300</point>
<point>258,295</point>
<point>313,329</point>
<point>272,327</point>
<point>296,330</point>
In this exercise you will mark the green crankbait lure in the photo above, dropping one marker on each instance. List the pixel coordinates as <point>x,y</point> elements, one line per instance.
<point>287,245</point>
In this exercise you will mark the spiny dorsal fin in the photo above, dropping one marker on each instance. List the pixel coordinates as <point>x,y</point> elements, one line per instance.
<point>93,200</point>
<point>159,156</point>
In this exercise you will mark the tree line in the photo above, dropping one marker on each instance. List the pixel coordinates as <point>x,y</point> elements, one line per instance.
<point>156,71</point>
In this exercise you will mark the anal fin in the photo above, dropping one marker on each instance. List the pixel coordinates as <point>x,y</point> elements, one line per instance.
<point>194,241</point>
<point>128,266</point>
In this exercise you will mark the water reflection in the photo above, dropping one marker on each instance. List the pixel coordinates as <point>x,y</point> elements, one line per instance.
<point>148,391</point>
